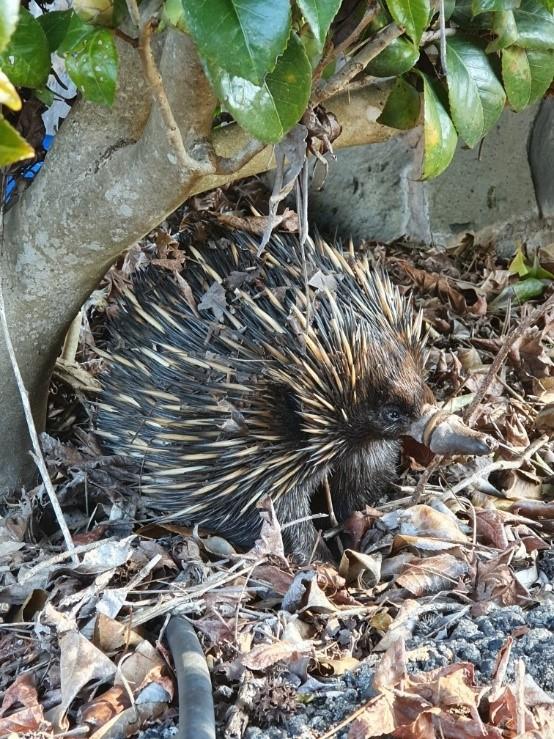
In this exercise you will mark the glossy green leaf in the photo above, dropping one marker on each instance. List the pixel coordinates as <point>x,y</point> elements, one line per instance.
<point>269,110</point>
<point>402,107</point>
<point>476,96</point>
<point>243,37</point>
<point>319,15</point>
<point>396,59</point>
<point>26,59</point>
<point>92,65</point>
<point>9,11</point>
<point>55,25</point>
<point>463,17</point>
<point>504,26</point>
<point>76,34</point>
<point>535,26</point>
<point>516,74</point>
<point>412,15</point>
<point>13,147</point>
<point>439,134</point>
<point>493,6</point>
<point>542,72</point>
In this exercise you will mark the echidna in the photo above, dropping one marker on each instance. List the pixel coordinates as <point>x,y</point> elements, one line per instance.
<point>253,383</point>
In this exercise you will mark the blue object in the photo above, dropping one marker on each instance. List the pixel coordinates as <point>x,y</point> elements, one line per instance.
<point>29,172</point>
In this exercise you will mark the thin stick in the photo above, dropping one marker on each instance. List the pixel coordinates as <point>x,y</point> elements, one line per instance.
<point>154,79</point>
<point>517,332</point>
<point>503,464</point>
<point>471,410</point>
<point>155,82</point>
<point>336,51</point>
<point>442,32</point>
<point>37,456</point>
<point>338,82</point>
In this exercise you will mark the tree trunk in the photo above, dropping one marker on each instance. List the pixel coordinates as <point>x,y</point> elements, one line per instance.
<point>109,179</point>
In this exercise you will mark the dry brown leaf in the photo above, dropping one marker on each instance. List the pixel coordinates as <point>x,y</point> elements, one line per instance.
<point>136,668</point>
<point>105,706</point>
<point>363,569</point>
<point>433,574</point>
<point>425,521</point>
<point>80,662</point>
<point>279,580</point>
<point>496,583</point>
<point>110,635</point>
<point>265,655</point>
<point>402,626</point>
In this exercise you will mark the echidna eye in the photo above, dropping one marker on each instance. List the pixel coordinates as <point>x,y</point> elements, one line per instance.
<point>393,414</point>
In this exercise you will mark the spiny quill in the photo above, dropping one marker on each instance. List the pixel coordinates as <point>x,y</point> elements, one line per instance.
<point>219,412</point>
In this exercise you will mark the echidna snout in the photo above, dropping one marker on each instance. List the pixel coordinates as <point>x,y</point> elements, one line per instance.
<point>253,392</point>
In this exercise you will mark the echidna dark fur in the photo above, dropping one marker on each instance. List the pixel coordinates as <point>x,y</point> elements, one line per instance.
<point>224,402</point>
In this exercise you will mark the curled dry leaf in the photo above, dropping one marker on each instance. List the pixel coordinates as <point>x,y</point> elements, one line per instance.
<point>305,593</point>
<point>426,527</point>
<point>433,574</point>
<point>444,433</point>
<point>265,655</point>
<point>29,717</point>
<point>363,569</point>
<point>80,662</point>
<point>495,582</point>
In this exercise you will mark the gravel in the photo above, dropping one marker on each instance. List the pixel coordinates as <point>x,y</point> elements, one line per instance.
<point>321,705</point>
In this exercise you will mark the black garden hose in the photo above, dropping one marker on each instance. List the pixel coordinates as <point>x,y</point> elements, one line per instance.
<point>196,706</point>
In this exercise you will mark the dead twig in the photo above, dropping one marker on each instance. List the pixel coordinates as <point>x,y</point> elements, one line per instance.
<point>338,82</point>
<point>335,51</point>
<point>503,464</point>
<point>517,332</point>
<point>470,412</point>
<point>186,162</point>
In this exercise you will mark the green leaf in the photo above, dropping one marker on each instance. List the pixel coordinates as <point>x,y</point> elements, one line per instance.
<point>243,37</point>
<point>402,107</point>
<point>527,75</point>
<point>92,65</point>
<point>269,110</point>
<point>518,265</point>
<point>504,26</point>
<point>548,4</point>
<point>45,95</point>
<point>542,72</point>
<point>516,74</point>
<point>9,10</point>
<point>396,59</point>
<point>519,292</point>
<point>439,134</point>
<point>412,15</point>
<point>77,32</point>
<point>55,25</point>
<point>319,15</point>
<point>493,6</point>
<point>476,96</point>
<point>535,26</point>
<point>26,59</point>
<point>13,147</point>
